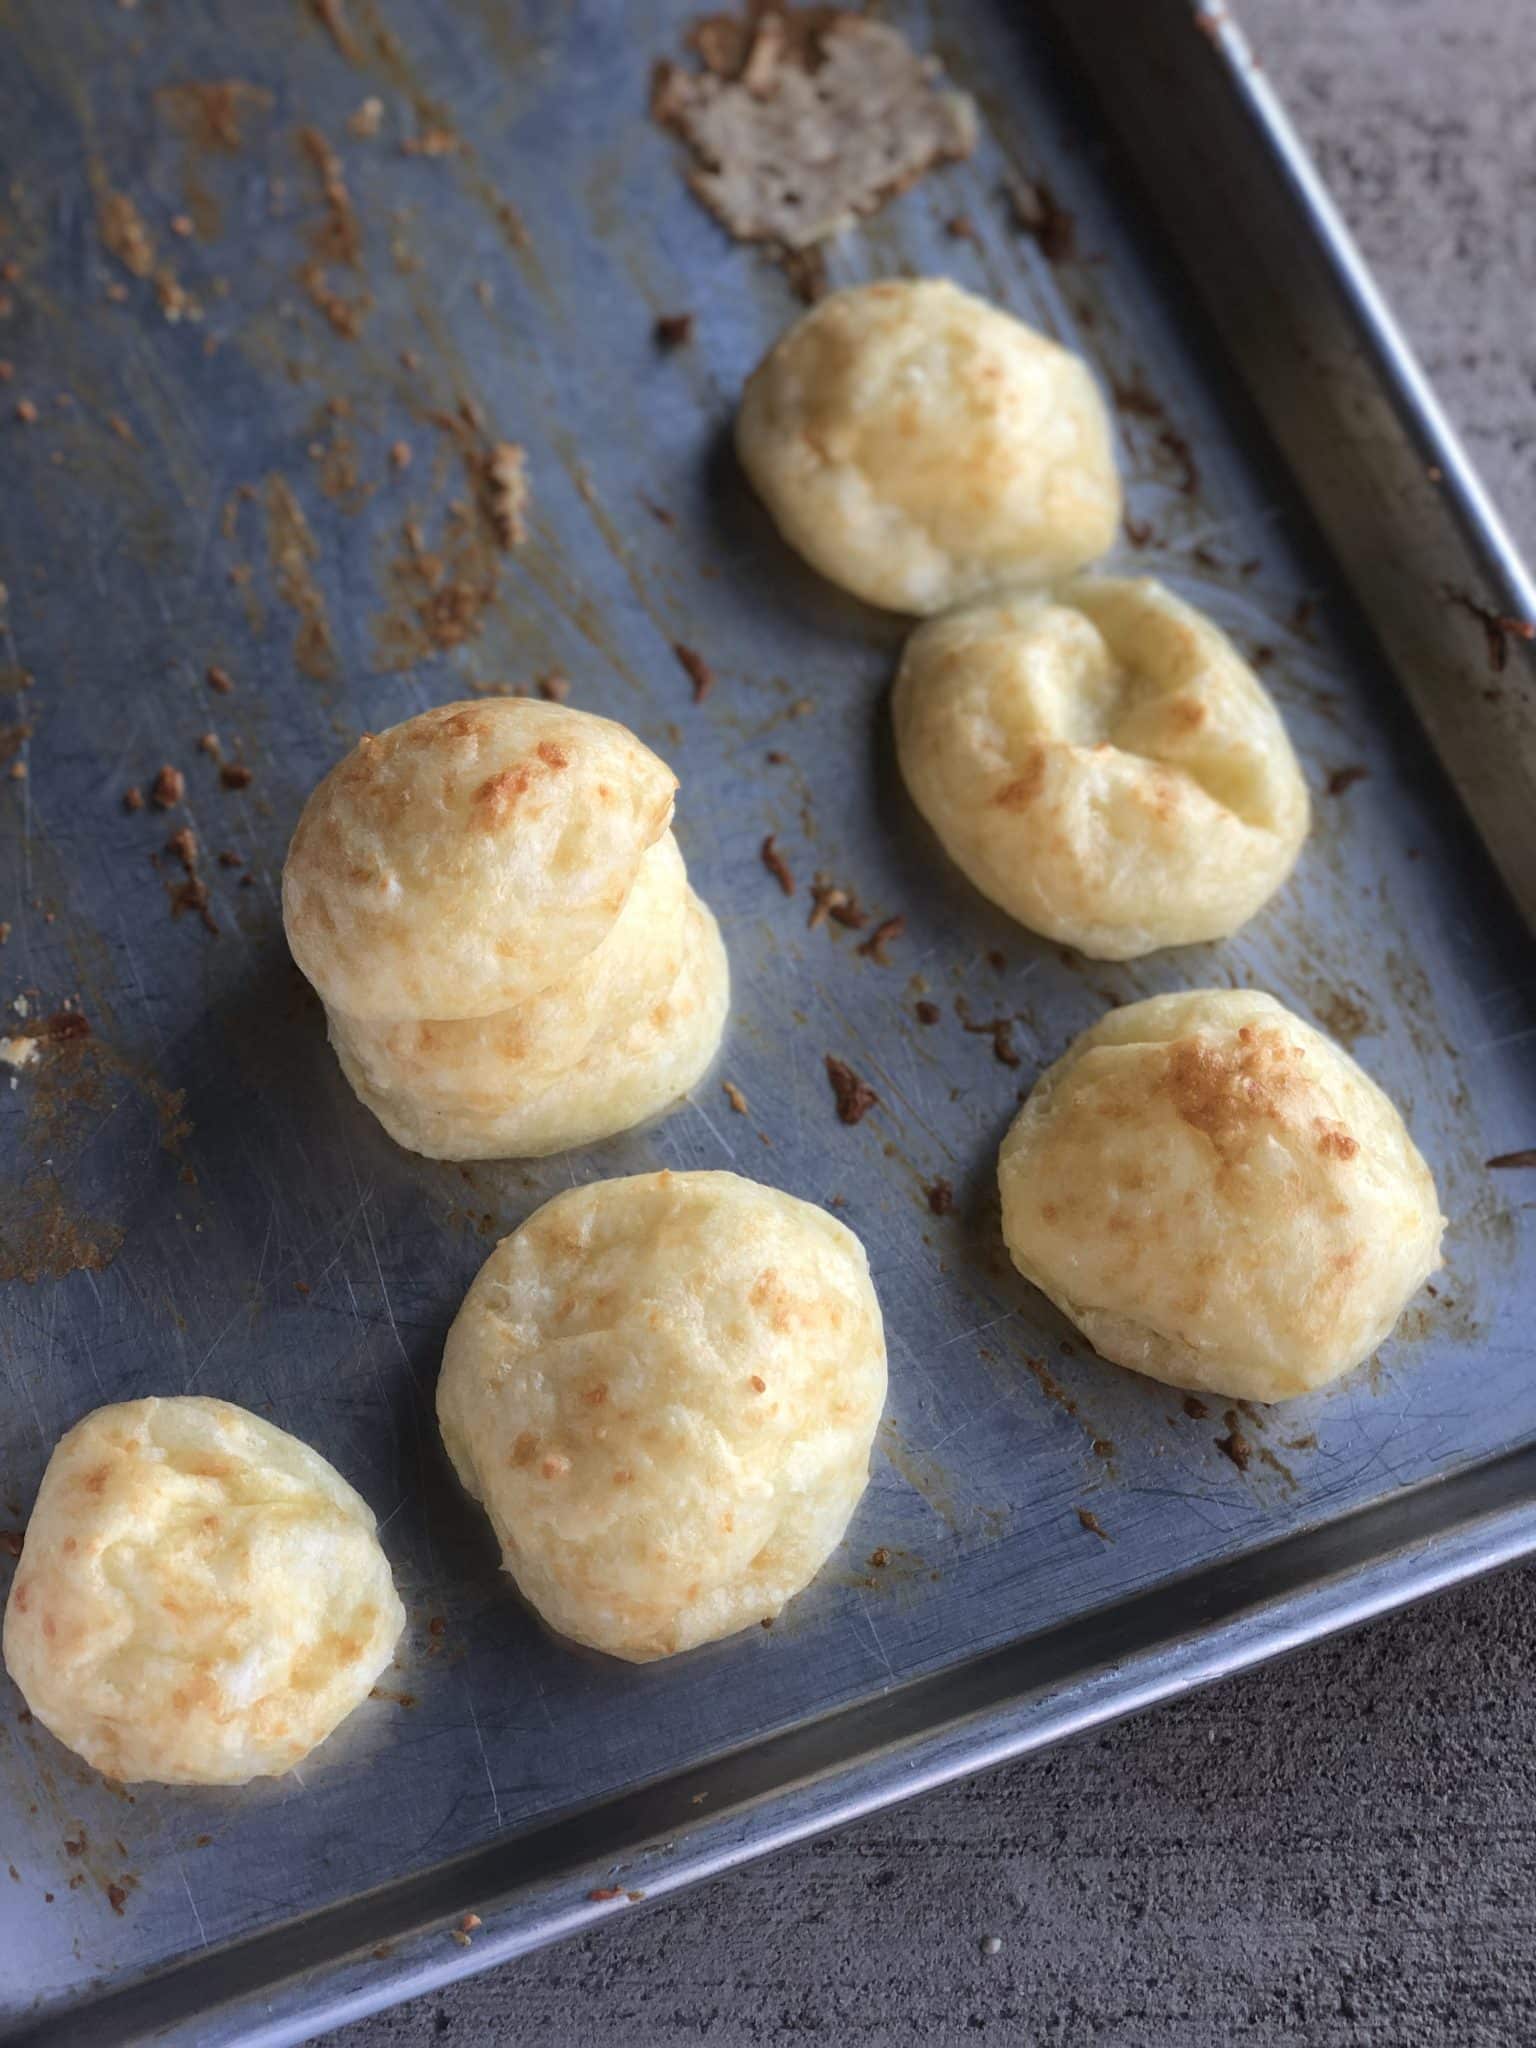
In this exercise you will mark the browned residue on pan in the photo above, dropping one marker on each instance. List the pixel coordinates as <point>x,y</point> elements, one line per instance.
<point>336,244</point>
<point>442,590</point>
<point>209,112</point>
<point>1068,1403</point>
<point>293,552</point>
<point>41,1238</point>
<point>921,1474</point>
<point>123,231</point>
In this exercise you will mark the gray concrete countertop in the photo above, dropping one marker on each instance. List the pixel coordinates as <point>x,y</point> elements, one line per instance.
<point>1338,1850</point>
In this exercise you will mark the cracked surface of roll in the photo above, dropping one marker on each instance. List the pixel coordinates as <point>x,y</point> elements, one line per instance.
<point>201,1598</point>
<point>1219,1197</point>
<point>664,1391</point>
<point>919,446</point>
<point>617,1043</point>
<point>462,861</point>
<point>1102,763</point>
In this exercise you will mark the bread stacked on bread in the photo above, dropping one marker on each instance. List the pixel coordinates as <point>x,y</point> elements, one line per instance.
<point>492,906</point>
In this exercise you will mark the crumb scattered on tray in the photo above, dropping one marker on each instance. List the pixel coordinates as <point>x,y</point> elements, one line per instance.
<point>124,234</point>
<point>1346,778</point>
<point>367,119</point>
<point>220,680</point>
<point>674,330</point>
<point>734,1097</point>
<point>941,1196</point>
<point>828,900</point>
<point>806,270</point>
<point>170,786</point>
<point>927,1013</point>
<point>874,947</point>
<point>1235,1445</point>
<point>26,412</point>
<point>235,775</point>
<point>803,119</point>
<point>400,455</point>
<point>998,1029</point>
<point>854,1098</point>
<point>777,865</point>
<point>1092,1524</point>
<point>697,670</point>
<point>506,483</point>
<point>1034,210</point>
<point>133,799</point>
<point>192,893</point>
<point>430,141</point>
<point>1512,1159</point>
<point>1133,397</point>
<point>1498,628</point>
<point>1182,456</point>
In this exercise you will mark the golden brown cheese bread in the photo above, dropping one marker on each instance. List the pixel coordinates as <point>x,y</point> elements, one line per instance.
<point>919,446</point>
<point>1102,763</point>
<point>492,906</point>
<point>201,1598</point>
<point>664,1391</point>
<point>1218,1197</point>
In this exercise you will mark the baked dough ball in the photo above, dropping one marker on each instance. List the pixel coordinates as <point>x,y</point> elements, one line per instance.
<point>1218,1197</point>
<point>1102,763</point>
<point>664,1391</point>
<point>201,1598</point>
<point>459,863</point>
<point>919,446</point>
<point>633,1029</point>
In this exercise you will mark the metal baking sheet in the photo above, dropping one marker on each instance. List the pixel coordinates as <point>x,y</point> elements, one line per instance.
<point>193,1200</point>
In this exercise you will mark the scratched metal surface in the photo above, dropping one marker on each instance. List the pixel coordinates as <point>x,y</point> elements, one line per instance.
<point>193,1200</point>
